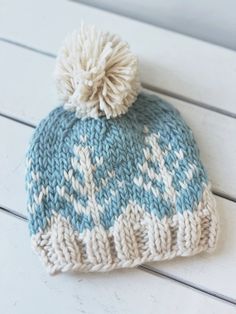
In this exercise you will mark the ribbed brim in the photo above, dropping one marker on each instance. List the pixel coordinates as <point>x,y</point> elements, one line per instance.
<point>137,237</point>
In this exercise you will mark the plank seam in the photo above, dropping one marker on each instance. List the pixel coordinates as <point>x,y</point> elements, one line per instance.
<point>189,100</point>
<point>149,269</point>
<point>154,271</point>
<point>6,116</point>
<point>145,85</point>
<point>225,196</point>
<point>39,51</point>
<point>102,7</point>
<point>13,213</point>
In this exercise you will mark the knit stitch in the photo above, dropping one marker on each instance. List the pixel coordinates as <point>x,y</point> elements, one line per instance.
<point>111,193</point>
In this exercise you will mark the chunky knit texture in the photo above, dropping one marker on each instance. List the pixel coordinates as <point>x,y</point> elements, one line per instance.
<point>105,194</point>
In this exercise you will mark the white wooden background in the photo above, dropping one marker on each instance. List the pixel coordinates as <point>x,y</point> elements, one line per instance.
<point>209,20</point>
<point>198,78</point>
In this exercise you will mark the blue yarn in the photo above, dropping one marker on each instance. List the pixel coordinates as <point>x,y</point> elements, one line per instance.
<point>121,143</point>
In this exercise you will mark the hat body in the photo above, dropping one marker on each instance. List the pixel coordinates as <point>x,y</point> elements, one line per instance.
<point>111,193</point>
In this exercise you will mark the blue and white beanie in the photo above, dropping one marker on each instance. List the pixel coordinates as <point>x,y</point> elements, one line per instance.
<point>114,177</point>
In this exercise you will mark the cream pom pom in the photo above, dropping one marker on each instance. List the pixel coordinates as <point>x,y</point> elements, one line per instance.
<point>96,74</point>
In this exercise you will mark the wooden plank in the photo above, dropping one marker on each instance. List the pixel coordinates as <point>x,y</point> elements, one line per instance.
<point>212,272</point>
<point>32,95</point>
<point>28,289</point>
<point>27,84</point>
<point>170,61</point>
<point>14,139</point>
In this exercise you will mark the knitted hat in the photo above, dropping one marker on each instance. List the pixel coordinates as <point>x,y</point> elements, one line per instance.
<point>114,177</point>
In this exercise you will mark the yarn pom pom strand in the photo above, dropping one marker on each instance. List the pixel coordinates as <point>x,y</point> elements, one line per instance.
<point>96,74</point>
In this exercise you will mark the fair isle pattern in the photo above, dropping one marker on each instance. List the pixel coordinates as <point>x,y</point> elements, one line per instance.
<point>104,194</point>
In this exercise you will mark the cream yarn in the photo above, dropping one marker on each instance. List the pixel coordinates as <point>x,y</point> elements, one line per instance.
<point>96,74</point>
